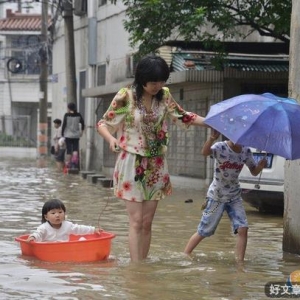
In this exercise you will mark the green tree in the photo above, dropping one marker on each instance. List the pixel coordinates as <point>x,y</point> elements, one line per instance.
<point>151,23</point>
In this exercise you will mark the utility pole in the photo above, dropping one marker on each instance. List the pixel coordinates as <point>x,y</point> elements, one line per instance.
<point>291,224</point>
<point>91,76</point>
<point>69,52</point>
<point>43,124</point>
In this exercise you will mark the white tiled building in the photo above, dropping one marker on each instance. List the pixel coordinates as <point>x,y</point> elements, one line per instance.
<point>20,70</point>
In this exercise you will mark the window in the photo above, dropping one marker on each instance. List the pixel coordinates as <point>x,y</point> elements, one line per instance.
<point>101,75</point>
<point>30,62</point>
<point>80,7</point>
<point>102,2</point>
<point>131,64</point>
<point>27,50</point>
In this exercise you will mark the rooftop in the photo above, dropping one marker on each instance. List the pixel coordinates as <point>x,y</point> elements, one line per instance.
<point>21,22</point>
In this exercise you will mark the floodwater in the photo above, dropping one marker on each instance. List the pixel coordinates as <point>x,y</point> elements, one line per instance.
<point>168,274</point>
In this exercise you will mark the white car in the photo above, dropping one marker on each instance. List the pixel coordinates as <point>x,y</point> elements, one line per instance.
<point>266,190</point>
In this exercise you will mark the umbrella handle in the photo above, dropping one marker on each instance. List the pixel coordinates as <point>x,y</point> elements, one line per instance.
<point>257,186</point>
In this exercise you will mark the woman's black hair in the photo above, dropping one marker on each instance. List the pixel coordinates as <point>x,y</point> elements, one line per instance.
<point>72,107</point>
<point>150,69</point>
<point>52,204</point>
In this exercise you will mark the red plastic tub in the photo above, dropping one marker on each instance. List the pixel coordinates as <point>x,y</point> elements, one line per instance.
<point>79,248</point>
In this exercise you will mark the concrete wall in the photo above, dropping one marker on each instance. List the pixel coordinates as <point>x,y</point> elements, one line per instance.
<point>26,91</point>
<point>113,41</point>
<point>184,157</point>
<point>18,152</point>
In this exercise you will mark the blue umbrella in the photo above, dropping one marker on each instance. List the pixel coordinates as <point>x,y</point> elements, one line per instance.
<point>265,122</point>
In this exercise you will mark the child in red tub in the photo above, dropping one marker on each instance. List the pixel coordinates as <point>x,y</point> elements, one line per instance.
<point>54,227</point>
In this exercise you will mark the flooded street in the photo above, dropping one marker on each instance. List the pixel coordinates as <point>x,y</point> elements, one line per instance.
<point>167,274</point>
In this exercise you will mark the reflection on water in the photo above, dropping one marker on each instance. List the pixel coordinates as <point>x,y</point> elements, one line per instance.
<point>167,274</point>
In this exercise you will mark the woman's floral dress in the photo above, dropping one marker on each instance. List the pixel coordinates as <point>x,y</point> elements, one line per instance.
<point>141,170</point>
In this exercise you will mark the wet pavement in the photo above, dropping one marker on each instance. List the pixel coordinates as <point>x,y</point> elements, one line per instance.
<point>167,274</point>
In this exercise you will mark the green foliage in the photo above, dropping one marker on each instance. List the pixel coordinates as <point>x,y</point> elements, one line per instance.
<point>151,23</point>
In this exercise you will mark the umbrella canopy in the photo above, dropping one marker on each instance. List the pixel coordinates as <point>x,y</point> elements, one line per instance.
<point>265,122</point>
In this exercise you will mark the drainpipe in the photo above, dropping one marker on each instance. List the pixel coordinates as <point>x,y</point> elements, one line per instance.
<point>91,70</point>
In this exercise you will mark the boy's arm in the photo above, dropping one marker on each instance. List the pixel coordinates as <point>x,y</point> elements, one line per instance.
<point>259,167</point>
<point>206,149</point>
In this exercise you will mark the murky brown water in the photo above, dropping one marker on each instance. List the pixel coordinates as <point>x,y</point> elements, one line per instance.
<point>167,274</point>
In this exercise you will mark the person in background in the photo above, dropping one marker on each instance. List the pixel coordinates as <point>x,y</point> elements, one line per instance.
<point>139,114</point>
<point>72,128</point>
<point>224,193</point>
<point>54,227</point>
<point>59,145</point>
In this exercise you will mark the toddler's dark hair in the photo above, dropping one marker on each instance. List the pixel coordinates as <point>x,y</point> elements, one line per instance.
<point>57,121</point>
<point>52,204</point>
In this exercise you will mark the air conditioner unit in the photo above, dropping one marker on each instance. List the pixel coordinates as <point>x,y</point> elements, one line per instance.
<point>80,7</point>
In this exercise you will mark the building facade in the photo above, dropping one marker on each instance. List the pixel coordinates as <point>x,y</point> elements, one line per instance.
<point>20,45</point>
<point>104,64</point>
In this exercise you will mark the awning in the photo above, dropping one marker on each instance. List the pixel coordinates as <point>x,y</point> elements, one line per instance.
<point>258,66</point>
<point>251,63</point>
